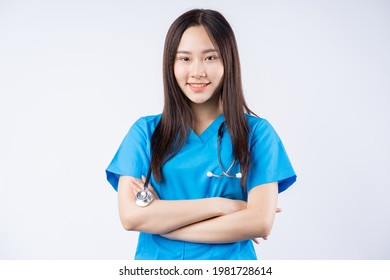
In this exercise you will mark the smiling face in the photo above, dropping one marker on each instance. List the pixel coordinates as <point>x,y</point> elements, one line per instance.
<point>198,67</point>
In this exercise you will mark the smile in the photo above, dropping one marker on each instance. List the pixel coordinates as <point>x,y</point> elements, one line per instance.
<point>197,85</point>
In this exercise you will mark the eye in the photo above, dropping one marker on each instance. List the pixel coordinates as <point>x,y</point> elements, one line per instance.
<point>212,57</point>
<point>184,58</point>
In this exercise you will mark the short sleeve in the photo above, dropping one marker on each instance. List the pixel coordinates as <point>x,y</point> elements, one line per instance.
<point>132,156</point>
<point>270,162</point>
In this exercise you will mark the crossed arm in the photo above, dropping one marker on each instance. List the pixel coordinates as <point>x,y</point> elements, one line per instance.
<point>208,220</point>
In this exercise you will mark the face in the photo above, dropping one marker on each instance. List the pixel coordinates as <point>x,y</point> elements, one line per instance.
<point>198,66</point>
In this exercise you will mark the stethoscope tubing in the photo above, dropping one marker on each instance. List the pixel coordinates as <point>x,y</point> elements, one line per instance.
<point>225,173</point>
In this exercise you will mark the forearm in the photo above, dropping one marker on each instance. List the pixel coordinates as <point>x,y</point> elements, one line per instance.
<point>254,221</point>
<point>241,225</point>
<point>163,216</point>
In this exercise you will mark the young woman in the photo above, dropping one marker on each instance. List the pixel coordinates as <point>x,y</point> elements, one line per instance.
<point>216,168</point>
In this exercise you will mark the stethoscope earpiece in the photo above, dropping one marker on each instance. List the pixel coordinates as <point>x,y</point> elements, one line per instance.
<point>237,175</point>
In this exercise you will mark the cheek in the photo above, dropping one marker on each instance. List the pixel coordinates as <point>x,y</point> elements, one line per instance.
<point>180,73</point>
<point>221,73</point>
<point>218,72</point>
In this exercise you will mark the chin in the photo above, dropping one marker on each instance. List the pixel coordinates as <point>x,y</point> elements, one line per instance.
<point>200,100</point>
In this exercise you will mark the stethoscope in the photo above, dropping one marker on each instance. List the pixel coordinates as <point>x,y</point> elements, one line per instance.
<point>225,173</point>
<point>145,197</point>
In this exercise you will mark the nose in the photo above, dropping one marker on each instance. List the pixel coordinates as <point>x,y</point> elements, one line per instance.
<point>197,70</point>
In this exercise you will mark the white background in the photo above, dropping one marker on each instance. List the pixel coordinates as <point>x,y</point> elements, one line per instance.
<point>75,75</point>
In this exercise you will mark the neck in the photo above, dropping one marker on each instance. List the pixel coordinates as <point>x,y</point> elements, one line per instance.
<point>204,114</point>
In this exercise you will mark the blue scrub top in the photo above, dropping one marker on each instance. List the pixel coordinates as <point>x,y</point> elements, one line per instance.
<point>185,177</point>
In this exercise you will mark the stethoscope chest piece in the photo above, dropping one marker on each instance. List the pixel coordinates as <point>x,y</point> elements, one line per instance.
<point>144,198</point>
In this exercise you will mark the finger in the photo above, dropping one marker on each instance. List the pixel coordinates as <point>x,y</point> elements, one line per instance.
<point>135,190</point>
<point>256,240</point>
<point>137,181</point>
<point>136,186</point>
<point>144,180</point>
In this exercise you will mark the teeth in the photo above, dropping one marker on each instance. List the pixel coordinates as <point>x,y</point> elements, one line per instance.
<point>198,85</point>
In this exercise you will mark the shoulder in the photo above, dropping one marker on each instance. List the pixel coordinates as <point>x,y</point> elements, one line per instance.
<point>257,123</point>
<point>144,127</point>
<point>151,120</point>
<point>260,128</point>
<point>147,123</point>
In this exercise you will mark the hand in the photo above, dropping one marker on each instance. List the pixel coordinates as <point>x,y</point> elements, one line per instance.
<point>256,240</point>
<point>138,185</point>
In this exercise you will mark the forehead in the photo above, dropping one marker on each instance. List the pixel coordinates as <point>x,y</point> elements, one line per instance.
<point>194,39</point>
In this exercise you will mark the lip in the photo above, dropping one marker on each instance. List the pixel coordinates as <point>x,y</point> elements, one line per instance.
<point>197,87</point>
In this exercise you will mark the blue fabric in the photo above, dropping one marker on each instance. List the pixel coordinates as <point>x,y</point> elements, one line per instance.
<point>185,178</point>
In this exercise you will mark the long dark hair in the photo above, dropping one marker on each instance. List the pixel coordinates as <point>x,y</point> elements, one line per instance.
<point>172,130</point>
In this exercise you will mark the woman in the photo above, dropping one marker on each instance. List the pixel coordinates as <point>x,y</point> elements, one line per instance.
<point>216,167</point>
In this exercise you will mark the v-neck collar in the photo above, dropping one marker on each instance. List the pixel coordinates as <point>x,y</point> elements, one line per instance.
<point>208,132</point>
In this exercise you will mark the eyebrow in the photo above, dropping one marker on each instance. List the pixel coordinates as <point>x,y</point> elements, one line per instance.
<point>205,51</point>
